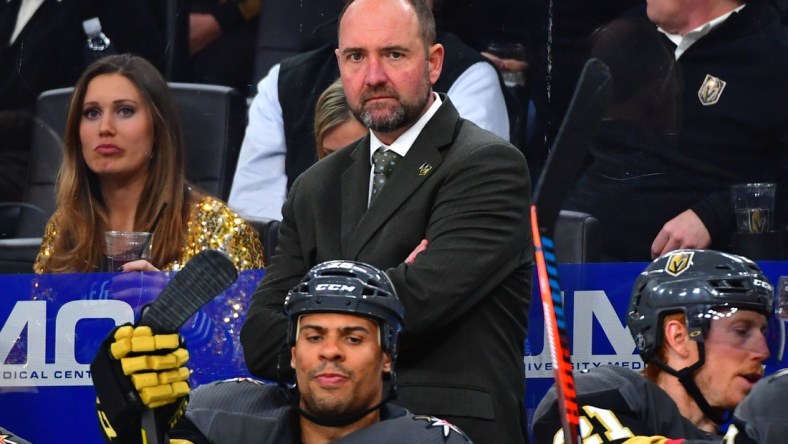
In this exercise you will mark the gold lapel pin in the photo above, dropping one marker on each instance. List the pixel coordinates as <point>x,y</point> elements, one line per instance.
<point>711,90</point>
<point>425,169</point>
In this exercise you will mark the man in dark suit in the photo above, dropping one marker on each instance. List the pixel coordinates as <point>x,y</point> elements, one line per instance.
<point>459,195</point>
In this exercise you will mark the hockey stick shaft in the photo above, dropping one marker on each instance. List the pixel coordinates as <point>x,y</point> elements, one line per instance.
<point>564,162</point>
<point>555,330</point>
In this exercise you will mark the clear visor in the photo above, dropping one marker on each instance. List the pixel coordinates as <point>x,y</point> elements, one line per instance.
<point>746,330</point>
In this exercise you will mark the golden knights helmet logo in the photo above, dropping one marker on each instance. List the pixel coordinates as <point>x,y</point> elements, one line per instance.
<point>711,90</point>
<point>679,262</point>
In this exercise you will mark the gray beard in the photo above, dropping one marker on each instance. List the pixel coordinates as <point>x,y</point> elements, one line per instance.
<point>402,115</point>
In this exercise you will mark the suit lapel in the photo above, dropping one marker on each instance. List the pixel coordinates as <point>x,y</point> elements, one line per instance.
<point>422,160</point>
<point>354,193</point>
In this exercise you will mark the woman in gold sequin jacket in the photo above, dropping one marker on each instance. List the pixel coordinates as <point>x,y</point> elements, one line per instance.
<point>123,164</point>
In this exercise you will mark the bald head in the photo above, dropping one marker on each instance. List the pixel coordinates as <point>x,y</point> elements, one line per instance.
<point>421,8</point>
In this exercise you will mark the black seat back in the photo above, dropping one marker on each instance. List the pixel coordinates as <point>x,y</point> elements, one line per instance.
<point>213,119</point>
<point>286,28</point>
<point>578,238</point>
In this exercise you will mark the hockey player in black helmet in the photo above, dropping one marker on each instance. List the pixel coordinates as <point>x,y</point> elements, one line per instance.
<point>344,324</point>
<point>698,318</point>
<point>761,418</point>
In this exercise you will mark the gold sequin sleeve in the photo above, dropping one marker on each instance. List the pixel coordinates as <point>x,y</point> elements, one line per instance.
<point>212,225</point>
<point>47,245</point>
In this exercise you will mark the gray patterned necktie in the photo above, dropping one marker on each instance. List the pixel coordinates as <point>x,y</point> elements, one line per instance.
<point>384,162</point>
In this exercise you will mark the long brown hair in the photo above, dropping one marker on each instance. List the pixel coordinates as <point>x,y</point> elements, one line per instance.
<point>81,216</point>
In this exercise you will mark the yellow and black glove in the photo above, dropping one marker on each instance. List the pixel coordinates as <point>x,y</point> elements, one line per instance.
<point>135,369</point>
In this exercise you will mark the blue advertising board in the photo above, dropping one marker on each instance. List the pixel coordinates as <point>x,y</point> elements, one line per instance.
<point>52,326</point>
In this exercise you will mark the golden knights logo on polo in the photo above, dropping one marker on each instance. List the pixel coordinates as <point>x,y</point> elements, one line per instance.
<point>679,262</point>
<point>711,90</point>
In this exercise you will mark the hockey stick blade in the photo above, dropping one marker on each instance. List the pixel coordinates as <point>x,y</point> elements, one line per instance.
<point>202,278</point>
<point>592,94</point>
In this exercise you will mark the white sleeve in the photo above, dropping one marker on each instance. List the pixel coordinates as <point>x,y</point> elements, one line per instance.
<point>260,183</point>
<point>478,97</point>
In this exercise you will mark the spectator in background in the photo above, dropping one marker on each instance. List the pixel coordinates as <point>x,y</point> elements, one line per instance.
<point>123,165</point>
<point>627,160</point>
<point>732,128</point>
<point>557,47</point>
<point>42,47</point>
<point>42,43</point>
<point>460,191</point>
<point>280,143</point>
<point>335,125</point>
<point>222,40</point>
<point>699,320</point>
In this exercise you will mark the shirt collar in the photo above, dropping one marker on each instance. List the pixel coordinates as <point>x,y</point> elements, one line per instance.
<point>406,139</point>
<point>683,42</point>
<point>26,10</point>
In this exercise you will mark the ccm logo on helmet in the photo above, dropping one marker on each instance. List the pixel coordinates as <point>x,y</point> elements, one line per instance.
<point>336,287</point>
<point>763,284</point>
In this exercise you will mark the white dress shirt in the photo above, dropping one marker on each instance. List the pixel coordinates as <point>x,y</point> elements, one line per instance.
<point>403,143</point>
<point>683,42</point>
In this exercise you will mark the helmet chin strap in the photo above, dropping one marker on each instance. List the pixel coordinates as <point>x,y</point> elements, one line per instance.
<point>341,420</point>
<point>345,420</point>
<point>687,380</point>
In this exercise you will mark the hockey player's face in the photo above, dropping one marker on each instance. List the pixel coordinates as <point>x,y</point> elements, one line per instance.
<point>339,364</point>
<point>735,351</point>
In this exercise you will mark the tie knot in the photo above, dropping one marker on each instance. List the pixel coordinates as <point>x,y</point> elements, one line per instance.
<point>385,161</point>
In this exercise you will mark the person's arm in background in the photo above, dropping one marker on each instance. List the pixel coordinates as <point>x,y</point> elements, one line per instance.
<point>264,331</point>
<point>260,183</point>
<point>686,230</point>
<point>204,28</point>
<point>478,97</point>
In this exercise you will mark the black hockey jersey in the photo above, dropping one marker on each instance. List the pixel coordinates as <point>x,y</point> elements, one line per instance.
<point>245,411</point>
<point>615,405</point>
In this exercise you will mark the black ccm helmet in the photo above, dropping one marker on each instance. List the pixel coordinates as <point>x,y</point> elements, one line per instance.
<point>694,282</point>
<point>347,287</point>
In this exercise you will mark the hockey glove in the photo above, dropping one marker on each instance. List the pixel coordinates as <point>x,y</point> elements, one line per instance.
<point>134,370</point>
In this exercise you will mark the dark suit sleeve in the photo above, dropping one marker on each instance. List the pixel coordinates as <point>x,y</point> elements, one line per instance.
<point>479,236</point>
<point>264,332</point>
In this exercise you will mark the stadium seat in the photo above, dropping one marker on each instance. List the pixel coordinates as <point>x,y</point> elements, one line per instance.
<point>577,238</point>
<point>286,28</point>
<point>268,232</point>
